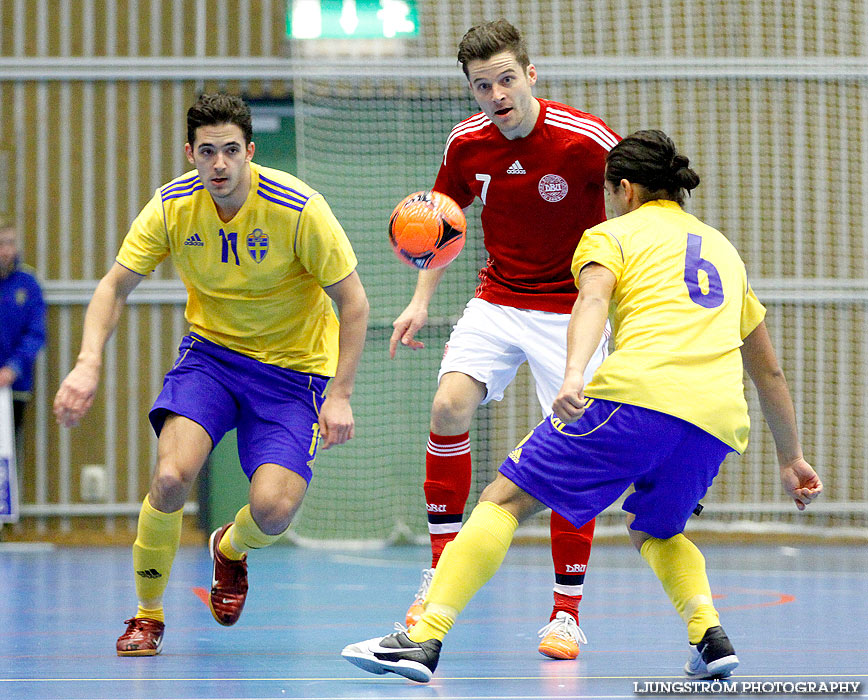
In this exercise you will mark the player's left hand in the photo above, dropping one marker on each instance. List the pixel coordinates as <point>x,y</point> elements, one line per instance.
<point>801,482</point>
<point>336,424</point>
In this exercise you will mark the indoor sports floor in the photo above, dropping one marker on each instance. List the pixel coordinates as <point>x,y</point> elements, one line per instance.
<point>792,614</point>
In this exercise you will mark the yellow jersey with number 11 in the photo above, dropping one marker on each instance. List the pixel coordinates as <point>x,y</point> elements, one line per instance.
<point>254,283</point>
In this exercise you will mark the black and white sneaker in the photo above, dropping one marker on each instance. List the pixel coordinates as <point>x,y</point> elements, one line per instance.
<point>713,657</point>
<point>396,653</point>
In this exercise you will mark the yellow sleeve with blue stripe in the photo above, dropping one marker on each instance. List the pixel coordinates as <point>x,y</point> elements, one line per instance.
<point>752,313</point>
<point>606,249</point>
<point>147,243</point>
<point>322,245</point>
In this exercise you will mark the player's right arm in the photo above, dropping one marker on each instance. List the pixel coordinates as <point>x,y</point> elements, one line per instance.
<point>76,393</point>
<point>797,476</point>
<point>587,321</point>
<point>415,315</point>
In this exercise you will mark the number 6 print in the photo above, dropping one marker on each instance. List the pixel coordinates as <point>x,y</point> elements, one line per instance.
<point>693,263</point>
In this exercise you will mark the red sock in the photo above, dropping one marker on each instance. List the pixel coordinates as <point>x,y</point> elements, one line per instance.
<point>571,549</point>
<point>447,486</point>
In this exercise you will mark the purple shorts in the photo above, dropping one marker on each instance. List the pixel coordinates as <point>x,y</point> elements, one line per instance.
<point>579,470</point>
<point>274,409</point>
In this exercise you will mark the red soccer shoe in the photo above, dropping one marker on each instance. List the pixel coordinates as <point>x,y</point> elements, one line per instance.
<point>144,637</point>
<point>228,583</point>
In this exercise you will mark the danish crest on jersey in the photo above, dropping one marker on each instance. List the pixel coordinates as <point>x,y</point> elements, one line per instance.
<point>552,188</point>
<point>257,245</point>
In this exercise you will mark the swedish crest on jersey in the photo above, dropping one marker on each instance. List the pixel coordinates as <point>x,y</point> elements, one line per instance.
<point>257,245</point>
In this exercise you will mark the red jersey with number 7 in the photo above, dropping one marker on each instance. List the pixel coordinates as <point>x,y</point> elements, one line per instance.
<point>539,194</point>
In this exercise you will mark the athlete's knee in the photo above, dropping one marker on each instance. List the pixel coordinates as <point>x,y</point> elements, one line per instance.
<point>273,513</point>
<point>637,537</point>
<point>274,504</point>
<point>452,412</point>
<point>170,486</point>
<point>510,497</point>
<point>276,494</point>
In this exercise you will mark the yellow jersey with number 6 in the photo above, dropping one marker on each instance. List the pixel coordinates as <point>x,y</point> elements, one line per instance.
<point>254,283</point>
<point>682,306</point>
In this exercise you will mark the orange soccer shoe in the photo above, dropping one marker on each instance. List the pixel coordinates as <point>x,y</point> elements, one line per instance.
<point>144,637</point>
<point>561,637</point>
<point>228,583</point>
<point>417,607</point>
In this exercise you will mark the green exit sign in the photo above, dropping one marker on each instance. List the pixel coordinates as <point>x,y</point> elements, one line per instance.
<point>352,19</point>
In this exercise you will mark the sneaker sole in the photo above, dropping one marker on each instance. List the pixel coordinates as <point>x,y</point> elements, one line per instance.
<point>721,668</point>
<point>142,652</point>
<point>557,653</point>
<point>409,669</point>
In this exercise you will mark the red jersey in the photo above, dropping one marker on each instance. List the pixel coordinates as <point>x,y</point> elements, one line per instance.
<point>539,194</point>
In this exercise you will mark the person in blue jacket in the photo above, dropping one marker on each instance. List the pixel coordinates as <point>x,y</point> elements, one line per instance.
<point>22,322</point>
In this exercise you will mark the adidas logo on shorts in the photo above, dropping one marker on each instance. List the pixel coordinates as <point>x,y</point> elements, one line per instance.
<point>516,169</point>
<point>194,240</point>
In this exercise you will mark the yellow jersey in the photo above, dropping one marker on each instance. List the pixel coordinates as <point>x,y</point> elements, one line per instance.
<point>254,283</point>
<point>682,305</point>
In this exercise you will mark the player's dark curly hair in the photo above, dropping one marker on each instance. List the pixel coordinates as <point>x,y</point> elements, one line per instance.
<point>219,108</point>
<point>484,40</point>
<point>650,158</point>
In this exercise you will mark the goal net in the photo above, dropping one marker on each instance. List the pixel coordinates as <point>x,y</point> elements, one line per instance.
<point>771,110</point>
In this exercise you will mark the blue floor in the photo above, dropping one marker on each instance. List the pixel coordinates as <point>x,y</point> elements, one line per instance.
<point>793,615</point>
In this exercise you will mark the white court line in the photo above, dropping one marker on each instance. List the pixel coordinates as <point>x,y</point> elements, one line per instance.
<point>398,693</point>
<point>296,679</point>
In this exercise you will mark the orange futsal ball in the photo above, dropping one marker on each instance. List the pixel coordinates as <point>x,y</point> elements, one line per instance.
<point>427,230</point>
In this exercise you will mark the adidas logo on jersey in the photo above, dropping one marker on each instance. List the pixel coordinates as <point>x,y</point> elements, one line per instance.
<point>194,240</point>
<point>516,169</point>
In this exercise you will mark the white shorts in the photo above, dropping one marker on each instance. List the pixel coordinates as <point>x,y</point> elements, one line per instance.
<point>490,342</point>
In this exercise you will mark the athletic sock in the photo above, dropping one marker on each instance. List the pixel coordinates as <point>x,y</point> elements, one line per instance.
<point>680,566</point>
<point>466,565</point>
<point>157,538</point>
<point>244,534</point>
<point>447,486</point>
<point>151,613</point>
<point>571,549</point>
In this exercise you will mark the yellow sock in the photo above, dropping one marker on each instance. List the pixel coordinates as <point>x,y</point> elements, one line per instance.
<point>154,550</point>
<point>151,613</point>
<point>244,534</point>
<point>464,567</point>
<point>680,566</point>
